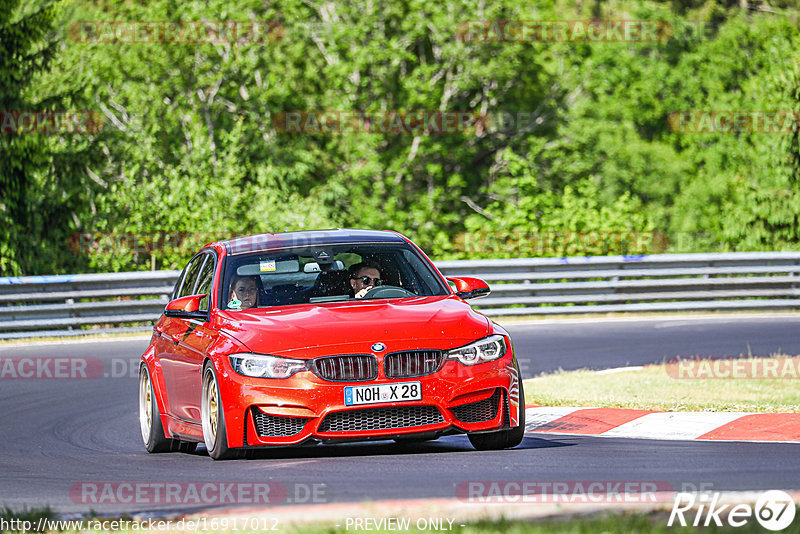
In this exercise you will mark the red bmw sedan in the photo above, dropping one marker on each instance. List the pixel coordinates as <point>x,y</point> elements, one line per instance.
<point>301,338</point>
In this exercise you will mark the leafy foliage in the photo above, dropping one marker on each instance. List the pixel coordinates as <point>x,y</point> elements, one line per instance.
<point>190,143</point>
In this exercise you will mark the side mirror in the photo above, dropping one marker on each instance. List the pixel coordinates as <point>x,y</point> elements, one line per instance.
<point>470,288</point>
<point>186,308</point>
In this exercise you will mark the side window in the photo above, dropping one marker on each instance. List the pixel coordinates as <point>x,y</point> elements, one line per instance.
<point>204,282</point>
<point>176,292</point>
<point>191,276</point>
<point>418,276</point>
<point>177,287</point>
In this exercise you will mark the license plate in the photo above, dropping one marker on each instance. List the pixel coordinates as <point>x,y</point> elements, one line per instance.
<point>403,391</point>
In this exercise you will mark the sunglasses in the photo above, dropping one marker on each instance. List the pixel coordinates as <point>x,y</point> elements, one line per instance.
<point>367,281</point>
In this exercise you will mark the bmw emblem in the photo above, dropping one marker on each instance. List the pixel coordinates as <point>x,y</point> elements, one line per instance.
<point>378,347</point>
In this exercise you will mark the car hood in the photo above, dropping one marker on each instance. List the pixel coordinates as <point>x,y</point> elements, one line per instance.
<point>311,330</point>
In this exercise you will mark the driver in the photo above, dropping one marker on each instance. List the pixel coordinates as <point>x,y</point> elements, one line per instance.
<point>244,292</point>
<point>363,277</point>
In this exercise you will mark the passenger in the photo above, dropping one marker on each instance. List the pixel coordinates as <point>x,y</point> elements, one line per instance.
<point>244,292</point>
<point>363,277</point>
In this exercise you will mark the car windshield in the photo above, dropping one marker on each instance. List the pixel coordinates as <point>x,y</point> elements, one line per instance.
<point>327,273</point>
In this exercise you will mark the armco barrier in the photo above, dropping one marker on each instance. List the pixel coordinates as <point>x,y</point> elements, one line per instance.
<point>61,305</point>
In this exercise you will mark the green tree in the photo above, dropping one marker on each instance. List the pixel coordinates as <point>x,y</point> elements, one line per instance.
<point>43,185</point>
<point>190,141</point>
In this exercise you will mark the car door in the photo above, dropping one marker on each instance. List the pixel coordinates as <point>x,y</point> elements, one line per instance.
<point>172,358</point>
<point>190,352</point>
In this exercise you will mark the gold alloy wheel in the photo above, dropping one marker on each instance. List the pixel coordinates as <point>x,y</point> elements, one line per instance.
<point>145,405</point>
<point>210,410</point>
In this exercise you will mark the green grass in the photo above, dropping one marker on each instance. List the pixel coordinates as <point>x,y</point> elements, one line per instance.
<point>652,388</point>
<point>25,514</point>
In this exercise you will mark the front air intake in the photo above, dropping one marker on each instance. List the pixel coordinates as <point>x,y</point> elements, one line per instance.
<point>381,419</point>
<point>274,426</point>
<point>477,412</point>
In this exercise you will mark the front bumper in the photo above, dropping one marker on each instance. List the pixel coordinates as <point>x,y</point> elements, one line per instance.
<point>307,408</point>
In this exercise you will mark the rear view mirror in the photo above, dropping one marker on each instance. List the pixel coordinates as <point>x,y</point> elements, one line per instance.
<point>313,267</point>
<point>470,288</point>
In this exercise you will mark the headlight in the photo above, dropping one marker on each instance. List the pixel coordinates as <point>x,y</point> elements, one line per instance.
<point>484,350</point>
<point>265,366</point>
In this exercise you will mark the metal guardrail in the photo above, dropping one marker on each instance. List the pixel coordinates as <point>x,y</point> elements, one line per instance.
<point>659,282</point>
<point>61,305</point>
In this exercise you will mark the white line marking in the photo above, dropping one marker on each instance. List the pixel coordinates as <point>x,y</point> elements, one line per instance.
<point>290,463</point>
<point>620,370</point>
<point>673,425</point>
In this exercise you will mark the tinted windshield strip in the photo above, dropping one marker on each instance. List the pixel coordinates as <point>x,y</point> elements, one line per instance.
<point>273,242</point>
<point>327,273</point>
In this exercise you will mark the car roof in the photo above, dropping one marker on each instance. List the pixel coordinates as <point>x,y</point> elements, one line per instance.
<point>336,236</point>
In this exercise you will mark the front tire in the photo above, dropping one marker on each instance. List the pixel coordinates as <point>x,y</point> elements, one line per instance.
<point>503,439</point>
<point>213,418</point>
<point>153,436</point>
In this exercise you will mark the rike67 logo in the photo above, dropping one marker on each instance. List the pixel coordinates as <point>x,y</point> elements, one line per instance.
<point>774,510</point>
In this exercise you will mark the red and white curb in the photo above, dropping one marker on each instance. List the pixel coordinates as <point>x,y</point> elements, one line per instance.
<point>645,424</point>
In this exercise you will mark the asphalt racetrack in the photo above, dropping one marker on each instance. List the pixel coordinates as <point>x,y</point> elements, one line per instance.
<point>62,434</point>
